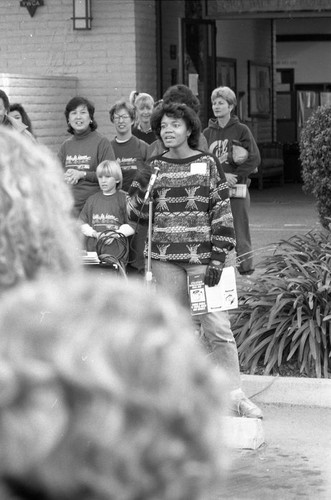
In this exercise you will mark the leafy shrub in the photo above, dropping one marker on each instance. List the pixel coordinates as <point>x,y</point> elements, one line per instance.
<point>285,314</point>
<point>315,156</point>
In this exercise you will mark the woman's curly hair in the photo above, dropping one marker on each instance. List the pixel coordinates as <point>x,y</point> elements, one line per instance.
<point>103,397</point>
<point>178,110</point>
<point>183,94</point>
<point>37,231</point>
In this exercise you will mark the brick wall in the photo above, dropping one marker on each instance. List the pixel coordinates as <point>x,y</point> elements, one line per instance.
<point>103,64</point>
<point>44,100</point>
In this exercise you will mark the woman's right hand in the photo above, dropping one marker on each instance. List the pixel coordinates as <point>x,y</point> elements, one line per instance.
<point>223,158</point>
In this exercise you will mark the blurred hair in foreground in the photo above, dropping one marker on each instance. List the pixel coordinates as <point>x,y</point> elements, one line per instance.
<point>104,397</point>
<point>37,231</point>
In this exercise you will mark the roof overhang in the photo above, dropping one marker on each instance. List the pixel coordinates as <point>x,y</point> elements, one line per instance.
<point>268,9</point>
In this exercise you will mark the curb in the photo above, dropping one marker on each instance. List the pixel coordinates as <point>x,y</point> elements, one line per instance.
<point>299,391</point>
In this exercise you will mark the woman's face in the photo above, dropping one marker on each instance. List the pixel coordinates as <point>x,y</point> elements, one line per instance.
<point>122,121</point>
<point>16,114</point>
<point>79,119</point>
<point>174,132</point>
<point>144,112</point>
<point>221,107</point>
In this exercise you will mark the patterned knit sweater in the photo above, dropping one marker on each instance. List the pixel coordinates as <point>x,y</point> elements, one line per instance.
<point>192,219</point>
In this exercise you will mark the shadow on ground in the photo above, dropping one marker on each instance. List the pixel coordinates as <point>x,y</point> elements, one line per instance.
<point>293,464</point>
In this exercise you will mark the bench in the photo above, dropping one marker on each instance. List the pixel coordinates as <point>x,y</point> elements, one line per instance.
<point>272,163</point>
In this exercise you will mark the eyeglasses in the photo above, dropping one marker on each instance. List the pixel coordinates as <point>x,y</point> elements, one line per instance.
<point>117,118</point>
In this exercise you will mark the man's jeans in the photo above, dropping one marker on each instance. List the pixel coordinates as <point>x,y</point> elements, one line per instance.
<point>172,277</point>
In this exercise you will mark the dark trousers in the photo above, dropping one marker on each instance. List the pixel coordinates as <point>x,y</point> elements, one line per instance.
<point>136,253</point>
<point>240,210</point>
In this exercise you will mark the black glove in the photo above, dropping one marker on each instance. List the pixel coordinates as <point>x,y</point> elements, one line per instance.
<point>213,273</point>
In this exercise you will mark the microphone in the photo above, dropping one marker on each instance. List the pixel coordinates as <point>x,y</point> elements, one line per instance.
<point>151,183</point>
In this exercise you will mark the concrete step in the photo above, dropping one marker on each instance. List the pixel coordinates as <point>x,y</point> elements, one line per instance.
<point>243,433</point>
<point>288,390</point>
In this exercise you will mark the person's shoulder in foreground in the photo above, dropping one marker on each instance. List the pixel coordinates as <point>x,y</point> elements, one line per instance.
<point>94,417</point>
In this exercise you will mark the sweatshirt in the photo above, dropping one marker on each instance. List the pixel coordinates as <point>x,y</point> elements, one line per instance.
<point>131,156</point>
<point>103,212</point>
<point>220,141</point>
<point>84,152</point>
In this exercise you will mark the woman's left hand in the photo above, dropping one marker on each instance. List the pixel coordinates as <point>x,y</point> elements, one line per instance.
<point>213,273</point>
<point>231,179</point>
<point>72,176</point>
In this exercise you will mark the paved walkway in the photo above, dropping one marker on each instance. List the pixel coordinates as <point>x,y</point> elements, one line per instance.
<point>277,213</point>
<point>295,461</point>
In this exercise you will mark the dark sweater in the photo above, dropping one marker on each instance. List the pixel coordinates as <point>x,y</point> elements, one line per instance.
<point>192,219</point>
<point>149,137</point>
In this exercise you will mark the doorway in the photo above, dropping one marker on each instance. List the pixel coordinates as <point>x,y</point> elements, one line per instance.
<point>286,106</point>
<point>197,62</point>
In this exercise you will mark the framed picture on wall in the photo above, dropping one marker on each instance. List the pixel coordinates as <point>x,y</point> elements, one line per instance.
<point>259,89</point>
<point>226,73</point>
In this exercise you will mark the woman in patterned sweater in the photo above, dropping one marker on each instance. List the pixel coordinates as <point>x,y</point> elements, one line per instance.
<point>192,229</point>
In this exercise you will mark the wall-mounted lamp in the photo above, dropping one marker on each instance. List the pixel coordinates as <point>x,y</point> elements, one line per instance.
<point>82,14</point>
